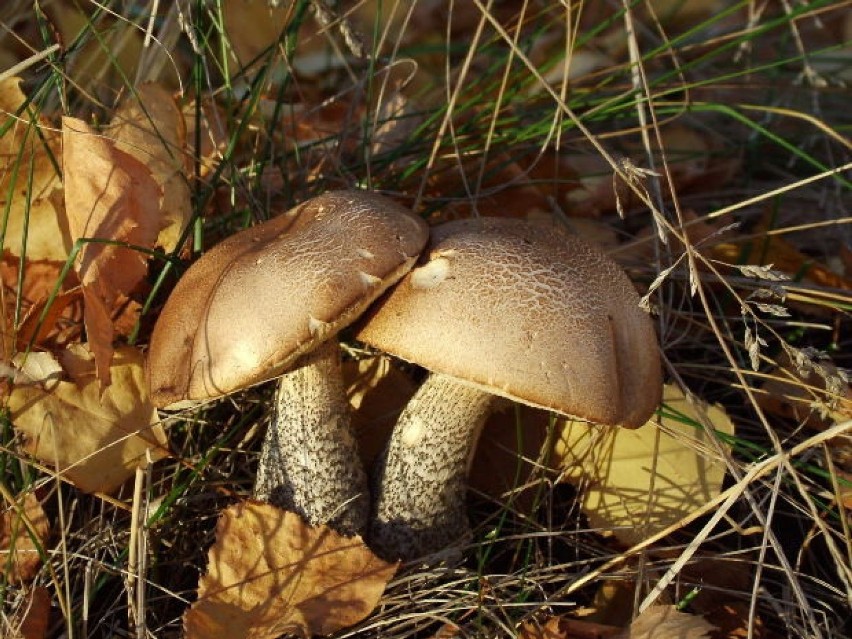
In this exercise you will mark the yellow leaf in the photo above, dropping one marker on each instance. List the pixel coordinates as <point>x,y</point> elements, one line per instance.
<point>269,573</point>
<point>18,523</point>
<point>639,482</point>
<point>95,440</point>
<point>39,212</point>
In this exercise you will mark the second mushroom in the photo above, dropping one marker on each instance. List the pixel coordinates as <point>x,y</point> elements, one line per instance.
<point>499,307</point>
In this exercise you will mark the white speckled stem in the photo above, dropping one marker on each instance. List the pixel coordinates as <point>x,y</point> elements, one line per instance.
<point>421,479</point>
<point>309,462</point>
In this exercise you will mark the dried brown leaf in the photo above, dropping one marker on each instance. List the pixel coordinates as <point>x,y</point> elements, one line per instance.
<point>109,195</point>
<point>31,617</point>
<point>253,26</point>
<point>806,399</point>
<point>40,212</point>
<point>732,621</point>
<point>95,439</point>
<point>32,289</point>
<point>19,523</point>
<point>377,391</point>
<point>499,468</point>
<point>785,257</point>
<point>150,127</point>
<point>565,628</point>
<point>212,138</point>
<point>269,573</point>
<point>667,621</point>
<point>110,54</point>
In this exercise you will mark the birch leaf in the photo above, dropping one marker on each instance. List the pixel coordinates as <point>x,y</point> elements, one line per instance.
<point>94,439</point>
<point>269,573</point>
<point>639,482</point>
<point>110,196</point>
<point>38,211</point>
<point>150,127</point>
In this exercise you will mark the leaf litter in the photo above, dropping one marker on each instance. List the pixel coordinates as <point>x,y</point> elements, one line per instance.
<point>269,573</point>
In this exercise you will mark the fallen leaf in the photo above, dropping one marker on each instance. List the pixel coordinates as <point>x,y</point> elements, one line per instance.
<point>29,151</point>
<point>732,621</point>
<point>252,27</point>
<point>447,631</point>
<point>784,256</point>
<point>566,628</point>
<point>150,127</point>
<point>106,57</point>
<point>95,439</point>
<point>657,622</point>
<point>639,482</point>
<point>31,291</point>
<point>668,622</point>
<point>109,195</point>
<point>509,454</point>
<point>212,137</point>
<point>31,616</point>
<point>788,394</point>
<point>19,523</point>
<point>612,604</point>
<point>377,391</point>
<point>269,573</point>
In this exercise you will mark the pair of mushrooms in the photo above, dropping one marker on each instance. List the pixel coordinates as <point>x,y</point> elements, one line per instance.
<point>495,308</point>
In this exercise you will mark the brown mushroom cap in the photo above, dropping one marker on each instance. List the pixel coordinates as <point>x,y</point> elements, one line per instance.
<point>528,312</point>
<point>245,311</point>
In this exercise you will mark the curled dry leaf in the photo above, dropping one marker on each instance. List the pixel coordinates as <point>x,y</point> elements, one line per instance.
<point>28,147</point>
<point>22,526</point>
<point>269,573</point>
<point>150,127</point>
<point>94,439</point>
<point>639,482</point>
<point>111,196</point>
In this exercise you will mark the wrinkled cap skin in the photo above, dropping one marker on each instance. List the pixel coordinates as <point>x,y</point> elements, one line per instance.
<point>246,310</point>
<point>528,312</point>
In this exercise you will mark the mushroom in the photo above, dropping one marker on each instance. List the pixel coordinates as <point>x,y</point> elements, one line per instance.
<point>499,307</point>
<point>266,302</point>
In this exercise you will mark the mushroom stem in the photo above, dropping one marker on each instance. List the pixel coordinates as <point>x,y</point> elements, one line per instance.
<point>421,479</point>
<point>309,462</point>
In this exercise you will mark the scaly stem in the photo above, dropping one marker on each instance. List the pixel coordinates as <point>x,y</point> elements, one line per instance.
<point>421,479</point>
<point>309,462</point>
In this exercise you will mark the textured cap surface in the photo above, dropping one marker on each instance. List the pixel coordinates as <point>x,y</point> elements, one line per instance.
<point>246,310</point>
<point>529,312</point>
